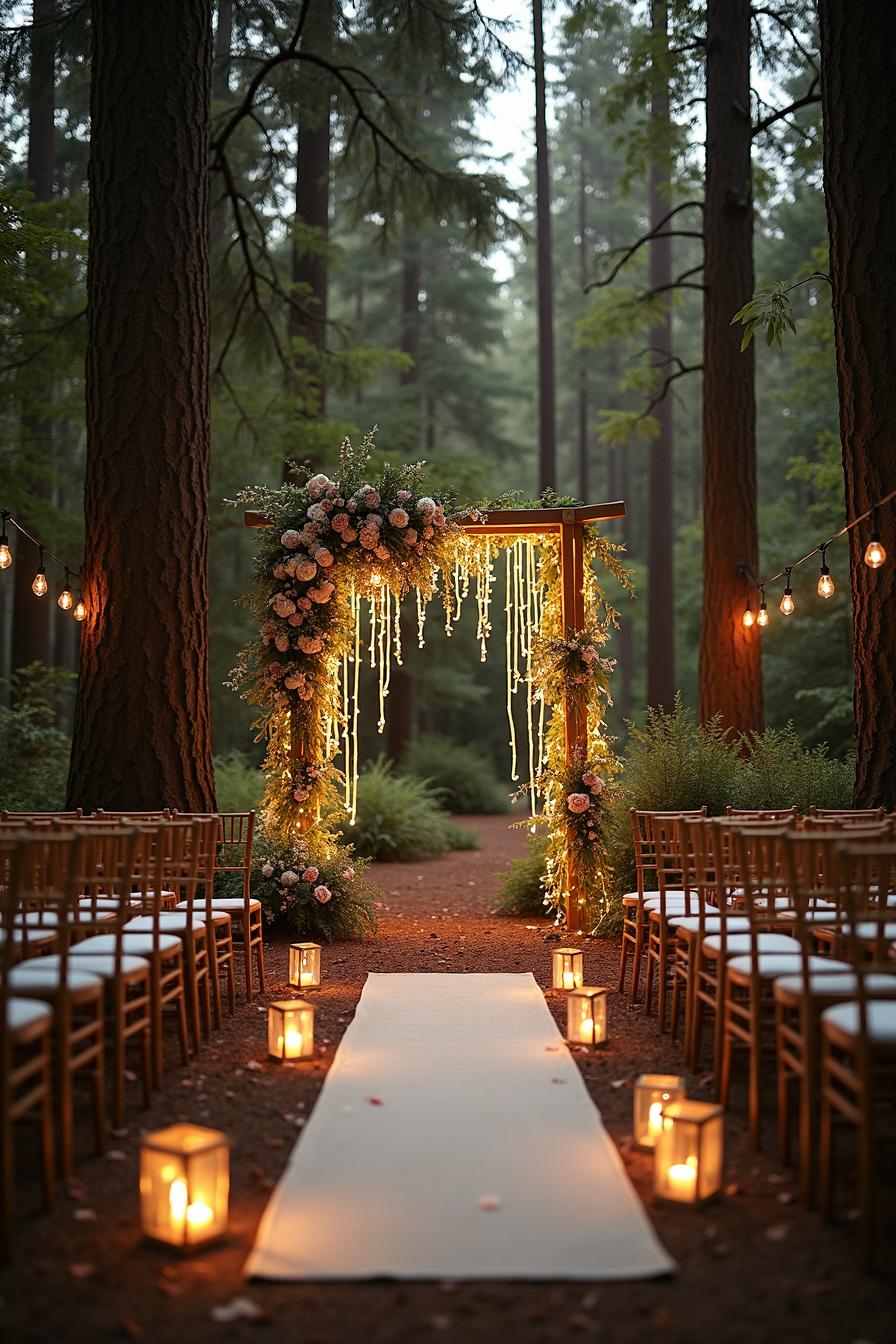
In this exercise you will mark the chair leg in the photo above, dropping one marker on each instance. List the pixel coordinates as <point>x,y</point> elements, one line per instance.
<point>826,1157</point>
<point>66,1109</point>
<point>259,952</point>
<point>637,957</point>
<point>100,1132</point>
<point>7,1186</point>
<point>623,956</point>
<point>146,1065</point>
<point>754,1081</point>
<point>867,1200</point>
<point>662,972</point>
<point>723,1061</point>
<point>47,1135</point>
<point>248,947</point>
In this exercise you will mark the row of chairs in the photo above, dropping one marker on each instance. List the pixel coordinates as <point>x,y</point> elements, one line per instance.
<point>109,930</point>
<point>780,932</point>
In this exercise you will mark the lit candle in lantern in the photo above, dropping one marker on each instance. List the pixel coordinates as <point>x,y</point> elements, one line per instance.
<point>184,1184</point>
<point>566,968</point>
<point>688,1153</point>
<point>586,1015</point>
<point>304,965</point>
<point>652,1092</point>
<point>291,1030</point>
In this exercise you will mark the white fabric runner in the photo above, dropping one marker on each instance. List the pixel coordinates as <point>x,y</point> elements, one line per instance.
<point>479,1097</point>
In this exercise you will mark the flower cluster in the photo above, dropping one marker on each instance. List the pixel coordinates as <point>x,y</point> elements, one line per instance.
<point>572,666</point>
<point>313,887</point>
<point>584,803</point>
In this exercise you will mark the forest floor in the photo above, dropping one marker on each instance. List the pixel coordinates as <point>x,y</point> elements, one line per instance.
<point>753,1267</point>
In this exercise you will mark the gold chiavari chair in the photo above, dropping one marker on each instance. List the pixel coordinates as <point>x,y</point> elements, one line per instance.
<point>26,1035</point>
<point>216,915</point>
<point>849,813</point>
<point>637,904</point>
<point>763,815</point>
<point>166,850</point>
<point>812,862</point>
<point>236,831</point>
<point>858,1051</point>
<point>50,863</point>
<point>667,838</point>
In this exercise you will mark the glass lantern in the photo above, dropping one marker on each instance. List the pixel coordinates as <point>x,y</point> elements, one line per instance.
<point>687,1157</point>
<point>586,1016</point>
<point>653,1091</point>
<point>566,966</point>
<point>291,1029</point>
<point>184,1185</point>
<point>304,965</point>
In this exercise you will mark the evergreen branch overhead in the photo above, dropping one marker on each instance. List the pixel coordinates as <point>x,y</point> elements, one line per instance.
<point>657,231</point>
<point>781,114</point>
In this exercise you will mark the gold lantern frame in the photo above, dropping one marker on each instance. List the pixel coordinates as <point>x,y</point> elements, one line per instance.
<point>185,1185</point>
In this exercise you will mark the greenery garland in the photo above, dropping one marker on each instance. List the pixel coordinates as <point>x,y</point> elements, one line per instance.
<point>335,541</point>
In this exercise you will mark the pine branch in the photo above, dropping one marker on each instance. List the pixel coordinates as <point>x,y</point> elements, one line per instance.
<point>788,28</point>
<point>629,252</point>
<point>783,112</point>
<point>670,378</point>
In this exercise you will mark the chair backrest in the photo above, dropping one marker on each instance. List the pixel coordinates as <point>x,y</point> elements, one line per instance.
<point>847,813</point>
<point>643,840</point>
<point>762,814</point>
<point>111,861</point>
<point>867,878</point>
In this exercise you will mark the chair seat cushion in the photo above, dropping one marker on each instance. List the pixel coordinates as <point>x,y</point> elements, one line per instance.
<point>711,923</point>
<point>25,1014</point>
<point>33,977</point>
<point>33,937</point>
<point>834,983</point>
<point>103,963</point>
<point>771,965</point>
<point>230,903</point>
<point>49,919</point>
<point>868,930</point>
<point>744,942</point>
<point>104,902</point>
<point>169,921</point>
<point>676,893</point>
<point>844,1020</point>
<point>134,944</point>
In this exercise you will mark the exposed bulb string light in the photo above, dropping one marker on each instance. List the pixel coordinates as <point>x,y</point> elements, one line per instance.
<point>874,557</point>
<point>40,584</point>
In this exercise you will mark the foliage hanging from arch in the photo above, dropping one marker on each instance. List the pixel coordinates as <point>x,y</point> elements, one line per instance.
<point>336,547</point>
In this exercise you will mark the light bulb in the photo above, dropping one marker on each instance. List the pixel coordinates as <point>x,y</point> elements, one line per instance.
<point>5,552</point>
<point>875,554</point>
<point>376,578</point>
<point>748,617</point>
<point>65,600</point>
<point>39,585</point>
<point>762,616</point>
<point>826,585</point>
<point>787,603</point>
<point>80,611</point>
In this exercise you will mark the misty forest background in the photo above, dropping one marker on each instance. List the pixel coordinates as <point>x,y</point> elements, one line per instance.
<point>342,301</point>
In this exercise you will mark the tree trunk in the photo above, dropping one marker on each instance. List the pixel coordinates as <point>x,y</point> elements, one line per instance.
<point>308,321</point>
<point>660,497</point>
<point>582,390</point>
<point>624,697</point>
<point>730,665</point>
<point>547,430</point>
<point>219,218</point>
<point>30,642</point>
<point>142,734</point>
<point>857,45</point>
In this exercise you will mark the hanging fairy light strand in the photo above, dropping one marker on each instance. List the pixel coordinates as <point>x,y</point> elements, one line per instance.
<point>40,584</point>
<point>875,556</point>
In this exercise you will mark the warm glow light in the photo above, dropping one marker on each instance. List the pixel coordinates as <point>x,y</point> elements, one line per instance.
<point>683,1178</point>
<point>376,579</point>
<point>762,615</point>
<point>65,599</point>
<point>566,968</point>
<point>80,611</point>
<point>569,980</point>
<point>654,1118</point>
<point>5,553</point>
<point>586,1016</point>
<point>290,1045</point>
<point>787,603</point>
<point>304,965</point>
<point>184,1185</point>
<point>826,586</point>
<point>875,554</point>
<point>688,1152</point>
<point>653,1093</point>
<point>39,584</point>
<point>291,1030</point>
<point>748,617</point>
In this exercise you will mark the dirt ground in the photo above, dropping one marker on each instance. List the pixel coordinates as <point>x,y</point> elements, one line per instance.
<point>753,1267</point>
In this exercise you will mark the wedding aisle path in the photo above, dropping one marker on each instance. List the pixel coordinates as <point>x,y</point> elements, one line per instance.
<point>751,1268</point>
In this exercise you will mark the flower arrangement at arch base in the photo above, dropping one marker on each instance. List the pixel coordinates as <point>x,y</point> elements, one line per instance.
<point>336,547</point>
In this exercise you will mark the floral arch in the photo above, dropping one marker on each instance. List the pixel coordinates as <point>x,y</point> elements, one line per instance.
<point>337,556</point>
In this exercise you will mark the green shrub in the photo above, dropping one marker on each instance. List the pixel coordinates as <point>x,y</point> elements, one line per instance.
<point>33,751</point>
<point>780,772</point>
<point>238,783</point>
<point>399,818</point>
<point>674,762</point>
<point>466,780</point>
<point>521,891</point>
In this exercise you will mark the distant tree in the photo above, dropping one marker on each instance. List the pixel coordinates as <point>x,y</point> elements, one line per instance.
<point>142,734</point>
<point>547,427</point>
<point>859,118</point>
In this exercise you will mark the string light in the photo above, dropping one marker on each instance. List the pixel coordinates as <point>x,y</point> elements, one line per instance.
<point>748,617</point>
<point>5,552</point>
<point>826,586</point>
<point>875,554</point>
<point>788,606</point>
<point>79,611</point>
<point>65,601</point>
<point>762,615</point>
<point>39,583</point>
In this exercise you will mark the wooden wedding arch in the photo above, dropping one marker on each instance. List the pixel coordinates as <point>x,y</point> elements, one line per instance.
<point>569,524</point>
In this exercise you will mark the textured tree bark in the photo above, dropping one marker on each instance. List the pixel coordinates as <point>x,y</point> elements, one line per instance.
<point>730,665</point>
<point>661,494</point>
<point>310,263</point>
<point>30,635</point>
<point>142,725</point>
<point>621,490</point>
<point>219,217</point>
<point>857,45</point>
<point>547,426</point>
<point>582,410</point>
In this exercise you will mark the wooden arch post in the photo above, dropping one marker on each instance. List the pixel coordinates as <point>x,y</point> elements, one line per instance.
<point>569,524</point>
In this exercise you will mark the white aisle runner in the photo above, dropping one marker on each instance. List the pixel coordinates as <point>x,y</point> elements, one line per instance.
<point>479,1097</point>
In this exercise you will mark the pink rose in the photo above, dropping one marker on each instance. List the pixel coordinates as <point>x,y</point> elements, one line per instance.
<point>307,571</point>
<point>403,496</point>
<point>339,522</point>
<point>324,557</point>
<point>290,539</point>
<point>323,894</point>
<point>578,802</point>
<point>350,534</point>
<point>410,537</point>
<point>382,552</point>
<point>310,875</point>
<point>399,518</point>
